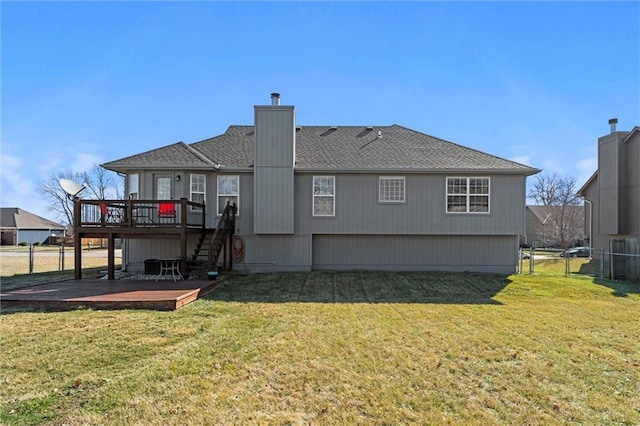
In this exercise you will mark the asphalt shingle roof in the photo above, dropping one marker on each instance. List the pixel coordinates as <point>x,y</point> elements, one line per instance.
<point>331,148</point>
<point>14,217</point>
<point>175,155</point>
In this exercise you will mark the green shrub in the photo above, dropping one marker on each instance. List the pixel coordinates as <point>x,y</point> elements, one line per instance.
<point>24,243</point>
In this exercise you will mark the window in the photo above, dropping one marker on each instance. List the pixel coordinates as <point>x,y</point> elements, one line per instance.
<point>391,189</point>
<point>228,192</point>
<point>198,189</point>
<point>133,186</point>
<point>467,195</point>
<point>324,192</point>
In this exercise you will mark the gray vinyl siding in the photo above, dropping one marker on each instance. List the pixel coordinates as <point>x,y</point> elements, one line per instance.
<point>146,185</point>
<point>366,234</point>
<point>357,210</point>
<point>265,253</point>
<point>632,186</point>
<point>609,183</point>
<point>274,201</point>
<point>136,251</point>
<point>274,133</point>
<point>416,252</point>
<point>273,169</point>
<point>598,239</point>
<point>415,235</point>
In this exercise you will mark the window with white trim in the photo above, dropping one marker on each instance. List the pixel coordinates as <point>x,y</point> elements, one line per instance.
<point>391,189</point>
<point>197,191</point>
<point>133,185</point>
<point>324,195</point>
<point>228,192</point>
<point>468,194</point>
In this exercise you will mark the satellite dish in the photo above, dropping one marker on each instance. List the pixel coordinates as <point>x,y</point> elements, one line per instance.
<point>71,188</point>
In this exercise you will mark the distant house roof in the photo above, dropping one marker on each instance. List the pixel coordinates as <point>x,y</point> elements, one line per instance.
<point>541,212</point>
<point>14,217</point>
<point>348,148</point>
<point>582,192</point>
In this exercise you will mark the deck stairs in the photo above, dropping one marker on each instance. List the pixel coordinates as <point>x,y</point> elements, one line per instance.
<point>210,245</point>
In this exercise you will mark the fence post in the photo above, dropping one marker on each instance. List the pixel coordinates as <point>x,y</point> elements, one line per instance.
<point>30,259</point>
<point>601,264</point>
<point>567,265</point>
<point>531,261</point>
<point>611,260</point>
<point>520,261</point>
<point>61,263</point>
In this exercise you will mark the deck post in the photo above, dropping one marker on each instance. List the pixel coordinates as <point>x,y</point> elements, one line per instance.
<point>183,237</point>
<point>129,211</point>
<point>111,263</point>
<point>224,254</point>
<point>77,239</point>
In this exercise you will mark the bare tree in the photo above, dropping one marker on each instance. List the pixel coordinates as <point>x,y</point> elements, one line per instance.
<point>563,207</point>
<point>101,184</point>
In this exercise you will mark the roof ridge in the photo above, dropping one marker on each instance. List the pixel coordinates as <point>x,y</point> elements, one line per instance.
<point>201,155</point>
<point>631,134</point>
<point>399,148</point>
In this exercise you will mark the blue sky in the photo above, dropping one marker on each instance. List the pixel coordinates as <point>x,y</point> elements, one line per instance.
<point>84,83</point>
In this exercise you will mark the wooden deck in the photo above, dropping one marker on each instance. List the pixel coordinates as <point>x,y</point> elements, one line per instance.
<point>163,295</point>
<point>152,219</point>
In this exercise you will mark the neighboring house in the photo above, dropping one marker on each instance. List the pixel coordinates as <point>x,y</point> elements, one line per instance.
<point>612,193</point>
<point>340,197</point>
<point>545,225</point>
<point>19,226</point>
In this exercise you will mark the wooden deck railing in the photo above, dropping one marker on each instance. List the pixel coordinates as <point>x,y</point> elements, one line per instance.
<point>139,213</point>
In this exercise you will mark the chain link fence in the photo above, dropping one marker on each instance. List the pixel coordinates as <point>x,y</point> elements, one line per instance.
<point>596,263</point>
<point>33,259</point>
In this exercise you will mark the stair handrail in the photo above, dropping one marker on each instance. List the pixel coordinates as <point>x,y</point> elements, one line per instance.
<point>221,228</point>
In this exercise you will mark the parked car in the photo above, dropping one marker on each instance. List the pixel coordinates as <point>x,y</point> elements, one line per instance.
<point>577,252</point>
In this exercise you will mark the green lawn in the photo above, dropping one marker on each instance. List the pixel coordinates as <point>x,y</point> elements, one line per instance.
<point>337,348</point>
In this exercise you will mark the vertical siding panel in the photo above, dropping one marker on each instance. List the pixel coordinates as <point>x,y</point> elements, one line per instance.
<point>632,182</point>
<point>358,210</point>
<point>413,252</point>
<point>276,252</point>
<point>608,169</point>
<point>273,170</point>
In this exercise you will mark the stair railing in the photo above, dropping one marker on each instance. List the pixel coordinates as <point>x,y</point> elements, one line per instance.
<point>225,227</point>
